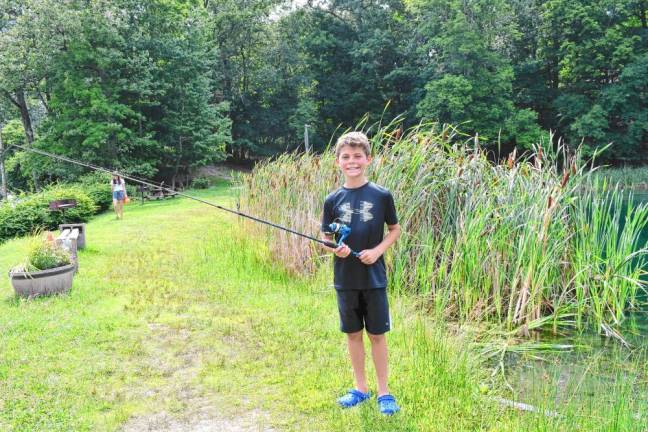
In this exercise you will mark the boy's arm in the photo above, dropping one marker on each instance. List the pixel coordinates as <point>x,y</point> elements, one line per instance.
<point>370,256</point>
<point>329,238</point>
<point>342,251</point>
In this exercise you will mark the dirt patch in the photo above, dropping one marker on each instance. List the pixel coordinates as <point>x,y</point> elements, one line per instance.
<point>205,419</point>
<point>171,354</point>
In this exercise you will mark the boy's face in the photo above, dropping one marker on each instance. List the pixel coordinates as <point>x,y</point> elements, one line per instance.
<point>352,162</point>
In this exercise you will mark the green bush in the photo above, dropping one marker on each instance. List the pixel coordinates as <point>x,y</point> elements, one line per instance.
<point>21,218</point>
<point>31,212</point>
<point>200,183</point>
<point>97,186</point>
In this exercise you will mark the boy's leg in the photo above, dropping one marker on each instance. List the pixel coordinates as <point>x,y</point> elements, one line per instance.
<point>351,323</point>
<point>357,353</point>
<point>380,360</point>
<point>378,323</point>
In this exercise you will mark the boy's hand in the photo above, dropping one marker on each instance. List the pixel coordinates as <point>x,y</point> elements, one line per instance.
<point>369,256</point>
<point>343,251</point>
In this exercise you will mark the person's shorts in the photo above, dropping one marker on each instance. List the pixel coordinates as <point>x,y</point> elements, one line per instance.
<point>364,309</point>
<point>118,195</point>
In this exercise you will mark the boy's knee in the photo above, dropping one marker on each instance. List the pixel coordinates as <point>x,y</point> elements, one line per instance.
<point>355,336</point>
<point>376,339</point>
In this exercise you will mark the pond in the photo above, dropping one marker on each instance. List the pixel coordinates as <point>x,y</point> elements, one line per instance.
<point>594,370</point>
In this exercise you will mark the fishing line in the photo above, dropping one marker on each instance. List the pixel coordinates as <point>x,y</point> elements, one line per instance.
<point>158,186</point>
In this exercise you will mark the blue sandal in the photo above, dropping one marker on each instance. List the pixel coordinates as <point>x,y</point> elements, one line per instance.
<point>387,405</point>
<point>353,398</point>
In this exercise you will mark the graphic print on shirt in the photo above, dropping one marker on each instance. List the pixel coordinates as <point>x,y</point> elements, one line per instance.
<point>364,211</point>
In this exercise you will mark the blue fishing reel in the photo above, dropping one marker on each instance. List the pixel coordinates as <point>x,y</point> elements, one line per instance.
<point>341,232</point>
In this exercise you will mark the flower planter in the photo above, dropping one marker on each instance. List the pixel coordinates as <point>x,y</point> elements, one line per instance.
<point>44,282</point>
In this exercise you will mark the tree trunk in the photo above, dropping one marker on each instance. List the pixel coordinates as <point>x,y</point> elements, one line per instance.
<point>27,125</point>
<point>21,103</point>
<point>177,164</point>
<point>3,177</point>
<point>18,99</point>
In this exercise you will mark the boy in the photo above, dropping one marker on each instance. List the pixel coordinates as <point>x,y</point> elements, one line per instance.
<point>361,282</point>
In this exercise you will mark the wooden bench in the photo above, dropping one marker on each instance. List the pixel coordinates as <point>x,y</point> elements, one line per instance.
<point>81,241</point>
<point>161,194</point>
<point>68,240</point>
<point>72,238</point>
<point>153,193</point>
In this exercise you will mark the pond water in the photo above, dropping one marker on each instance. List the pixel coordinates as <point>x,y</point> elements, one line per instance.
<point>594,370</point>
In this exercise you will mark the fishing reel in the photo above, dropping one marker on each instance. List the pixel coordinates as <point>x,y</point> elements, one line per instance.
<point>341,232</point>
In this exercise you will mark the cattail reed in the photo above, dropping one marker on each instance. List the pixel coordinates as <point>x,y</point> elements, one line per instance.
<point>523,243</point>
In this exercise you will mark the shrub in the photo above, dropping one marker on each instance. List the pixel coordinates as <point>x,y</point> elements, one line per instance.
<point>31,212</point>
<point>200,183</point>
<point>97,186</point>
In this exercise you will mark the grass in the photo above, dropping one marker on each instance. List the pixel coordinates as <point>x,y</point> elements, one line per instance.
<point>178,306</point>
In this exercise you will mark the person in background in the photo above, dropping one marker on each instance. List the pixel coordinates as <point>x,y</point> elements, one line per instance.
<point>118,187</point>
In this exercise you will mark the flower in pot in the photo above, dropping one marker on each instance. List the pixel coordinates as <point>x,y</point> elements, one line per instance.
<point>48,269</point>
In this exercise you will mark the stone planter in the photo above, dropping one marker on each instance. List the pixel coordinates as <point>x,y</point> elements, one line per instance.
<point>44,282</point>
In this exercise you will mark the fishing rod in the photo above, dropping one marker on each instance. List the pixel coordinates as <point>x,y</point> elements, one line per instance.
<point>151,184</point>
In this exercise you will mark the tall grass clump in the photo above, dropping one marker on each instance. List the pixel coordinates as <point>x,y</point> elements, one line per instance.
<point>528,242</point>
<point>626,177</point>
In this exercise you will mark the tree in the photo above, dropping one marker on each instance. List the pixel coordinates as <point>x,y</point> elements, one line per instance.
<point>32,32</point>
<point>357,59</point>
<point>192,130</point>
<point>599,50</point>
<point>465,48</point>
<point>133,91</point>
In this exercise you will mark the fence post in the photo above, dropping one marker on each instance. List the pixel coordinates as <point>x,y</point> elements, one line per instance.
<point>306,144</point>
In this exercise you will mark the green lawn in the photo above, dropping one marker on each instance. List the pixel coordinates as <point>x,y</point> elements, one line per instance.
<point>176,311</point>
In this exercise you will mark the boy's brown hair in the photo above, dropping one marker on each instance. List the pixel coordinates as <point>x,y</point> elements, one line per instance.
<point>353,139</point>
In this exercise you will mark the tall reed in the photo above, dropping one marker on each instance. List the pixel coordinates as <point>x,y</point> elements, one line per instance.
<point>528,242</point>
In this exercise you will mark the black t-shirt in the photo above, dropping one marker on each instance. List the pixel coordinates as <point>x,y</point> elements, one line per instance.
<point>365,210</point>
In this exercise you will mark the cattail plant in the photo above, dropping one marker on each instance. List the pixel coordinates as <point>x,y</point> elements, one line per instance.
<point>533,241</point>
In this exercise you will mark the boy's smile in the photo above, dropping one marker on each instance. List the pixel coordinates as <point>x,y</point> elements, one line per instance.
<point>353,162</point>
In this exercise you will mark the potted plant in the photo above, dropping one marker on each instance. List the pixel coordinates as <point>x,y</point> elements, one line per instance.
<point>48,269</point>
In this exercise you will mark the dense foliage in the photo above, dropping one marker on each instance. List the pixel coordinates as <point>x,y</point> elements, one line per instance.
<point>158,88</point>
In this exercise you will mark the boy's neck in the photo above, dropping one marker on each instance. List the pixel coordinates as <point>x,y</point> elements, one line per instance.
<point>354,183</point>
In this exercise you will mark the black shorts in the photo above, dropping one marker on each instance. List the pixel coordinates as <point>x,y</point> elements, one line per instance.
<point>364,309</point>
